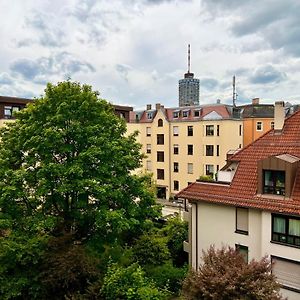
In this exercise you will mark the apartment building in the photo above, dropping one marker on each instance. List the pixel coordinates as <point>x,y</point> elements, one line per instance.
<point>255,204</point>
<point>182,144</point>
<point>9,105</point>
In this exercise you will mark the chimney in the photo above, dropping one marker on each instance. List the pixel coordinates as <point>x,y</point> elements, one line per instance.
<point>148,107</point>
<point>255,101</point>
<point>218,101</point>
<point>279,115</point>
<point>157,106</point>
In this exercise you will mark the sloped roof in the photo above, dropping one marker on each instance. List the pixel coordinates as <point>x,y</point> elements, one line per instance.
<point>223,111</point>
<point>257,111</point>
<point>243,189</point>
<point>14,100</point>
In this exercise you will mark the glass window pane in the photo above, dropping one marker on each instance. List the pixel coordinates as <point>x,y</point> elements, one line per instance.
<point>294,227</point>
<point>279,225</point>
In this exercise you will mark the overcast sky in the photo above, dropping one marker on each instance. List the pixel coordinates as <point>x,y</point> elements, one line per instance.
<point>135,51</point>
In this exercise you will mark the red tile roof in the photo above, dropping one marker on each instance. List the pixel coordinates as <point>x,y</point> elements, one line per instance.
<point>222,109</point>
<point>242,191</point>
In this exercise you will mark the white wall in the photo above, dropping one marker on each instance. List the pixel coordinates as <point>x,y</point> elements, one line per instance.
<point>217,225</point>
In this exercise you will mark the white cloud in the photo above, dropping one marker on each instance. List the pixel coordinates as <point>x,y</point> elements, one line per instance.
<point>134,52</point>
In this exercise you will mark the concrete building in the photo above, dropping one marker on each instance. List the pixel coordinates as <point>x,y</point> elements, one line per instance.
<point>189,88</point>
<point>182,144</point>
<point>255,204</point>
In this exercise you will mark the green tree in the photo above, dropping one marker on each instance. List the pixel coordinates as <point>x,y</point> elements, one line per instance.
<point>129,283</point>
<point>224,274</point>
<point>176,232</point>
<point>66,163</point>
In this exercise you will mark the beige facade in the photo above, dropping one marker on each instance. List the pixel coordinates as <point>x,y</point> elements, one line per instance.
<point>190,148</point>
<point>205,231</point>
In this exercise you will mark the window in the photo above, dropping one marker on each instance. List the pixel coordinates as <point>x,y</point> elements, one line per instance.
<point>241,220</point>
<point>176,185</point>
<point>160,174</point>
<point>160,123</point>
<point>148,131</point>
<point>240,130</point>
<point>149,115</point>
<point>176,167</point>
<point>259,126</point>
<point>209,170</point>
<point>286,230</point>
<point>209,130</point>
<point>287,272</point>
<point>190,168</point>
<point>218,150</point>
<point>190,130</point>
<point>9,110</point>
<point>272,125</point>
<point>218,130</point>
<point>190,150</point>
<point>160,156</point>
<point>185,113</point>
<point>160,139</point>
<point>209,150</point>
<point>196,113</point>
<point>274,182</point>
<point>148,165</point>
<point>176,114</point>
<point>175,130</point>
<point>176,149</point>
<point>243,250</point>
<point>148,148</point>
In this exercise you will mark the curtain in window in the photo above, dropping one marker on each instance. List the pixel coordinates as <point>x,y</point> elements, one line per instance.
<point>294,227</point>
<point>268,180</point>
<point>279,225</point>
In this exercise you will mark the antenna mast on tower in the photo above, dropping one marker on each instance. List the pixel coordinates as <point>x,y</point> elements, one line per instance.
<point>234,94</point>
<point>189,59</point>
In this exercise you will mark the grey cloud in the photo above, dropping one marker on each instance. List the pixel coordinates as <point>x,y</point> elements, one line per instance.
<point>267,74</point>
<point>123,70</point>
<point>47,32</point>
<point>5,79</point>
<point>38,70</point>
<point>209,83</point>
<point>276,22</point>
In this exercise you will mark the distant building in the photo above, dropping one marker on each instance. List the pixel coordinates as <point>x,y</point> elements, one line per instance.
<point>255,204</point>
<point>9,105</point>
<point>183,143</point>
<point>189,88</point>
<point>123,111</point>
<point>258,118</point>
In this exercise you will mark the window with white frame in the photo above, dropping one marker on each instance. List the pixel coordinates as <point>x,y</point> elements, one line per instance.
<point>241,221</point>
<point>190,168</point>
<point>209,170</point>
<point>148,165</point>
<point>176,149</point>
<point>148,131</point>
<point>175,130</point>
<point>148,148</point>
<point>259,126</point>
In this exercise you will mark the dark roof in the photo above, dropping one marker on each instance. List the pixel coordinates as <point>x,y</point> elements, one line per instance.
<point>257,111</point>
<point>14,100</point>
<point>243,189</point>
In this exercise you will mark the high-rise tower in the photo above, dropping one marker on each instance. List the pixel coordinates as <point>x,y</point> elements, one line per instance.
<point>189,87</point>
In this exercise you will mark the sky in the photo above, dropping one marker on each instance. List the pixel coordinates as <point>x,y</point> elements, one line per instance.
<point>134,51</point>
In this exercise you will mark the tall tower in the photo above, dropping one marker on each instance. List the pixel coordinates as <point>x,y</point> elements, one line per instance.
<point>189,87</point>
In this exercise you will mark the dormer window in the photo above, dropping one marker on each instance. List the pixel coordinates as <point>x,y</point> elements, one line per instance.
<point>185,113</point>
<point>176,114</point>
<point>274,182</point>
<point>276,175</point>
<point>196,113</point>
<point>149,115</point>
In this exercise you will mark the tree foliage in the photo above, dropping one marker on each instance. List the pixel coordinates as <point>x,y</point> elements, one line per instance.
<point>224,274</point>
<point>67,162</point>
<point>129,283</point>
